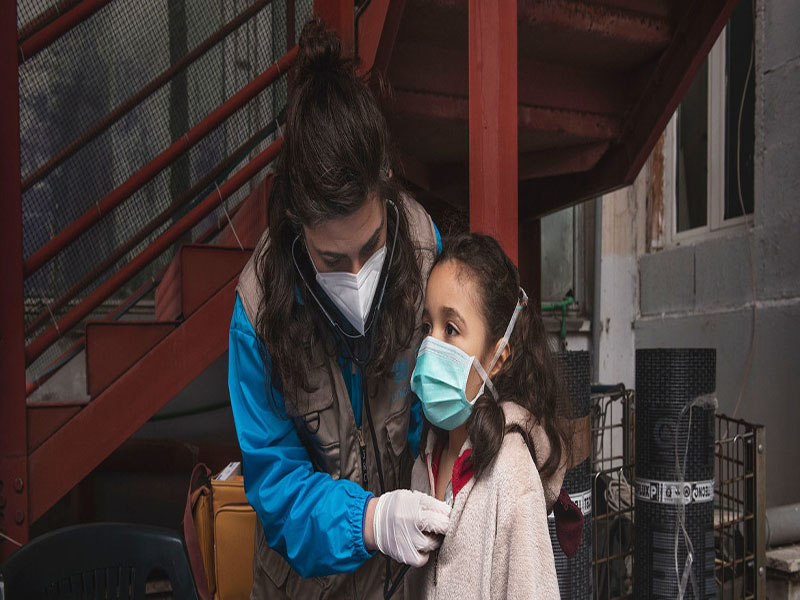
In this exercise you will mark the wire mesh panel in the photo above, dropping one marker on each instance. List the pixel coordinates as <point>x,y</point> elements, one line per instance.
<point>105,100</point>
<point>574,573</point>
<point>612,521</point>
<point>739,505</point>
<point>674,473</point>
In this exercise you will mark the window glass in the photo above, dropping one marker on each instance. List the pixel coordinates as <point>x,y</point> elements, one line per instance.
<point>692,163</point>
<point>741,133</point>
<point>558,256</point>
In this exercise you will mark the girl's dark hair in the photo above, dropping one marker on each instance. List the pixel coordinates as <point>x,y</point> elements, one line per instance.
<point>335,157</point>
<point>529,376</point>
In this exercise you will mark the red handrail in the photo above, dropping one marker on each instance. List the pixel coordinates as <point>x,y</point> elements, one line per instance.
<point>140,236</point>
<point>44,18</point>
<point>149,254</point>
<point>50,33</point>
<point>135,182</point>
<point>137,98</point>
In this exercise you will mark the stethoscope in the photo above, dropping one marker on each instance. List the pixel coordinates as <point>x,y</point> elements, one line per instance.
<point>390,587</point>
<point>361,362</point>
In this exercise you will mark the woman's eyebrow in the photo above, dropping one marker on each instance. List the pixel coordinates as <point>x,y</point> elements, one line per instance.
<point>376,235</point>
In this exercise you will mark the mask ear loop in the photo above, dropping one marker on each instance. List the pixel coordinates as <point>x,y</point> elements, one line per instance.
<point>487,382</point>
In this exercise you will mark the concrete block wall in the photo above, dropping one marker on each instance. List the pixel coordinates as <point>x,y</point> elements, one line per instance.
<point>702,294</point>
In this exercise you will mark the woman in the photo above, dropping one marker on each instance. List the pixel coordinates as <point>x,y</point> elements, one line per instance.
<point>321,349</point>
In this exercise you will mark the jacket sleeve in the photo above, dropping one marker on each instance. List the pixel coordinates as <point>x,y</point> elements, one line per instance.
<point>314,522</point>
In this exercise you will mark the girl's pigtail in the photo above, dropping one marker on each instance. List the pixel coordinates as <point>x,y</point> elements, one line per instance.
<point>486,428</point>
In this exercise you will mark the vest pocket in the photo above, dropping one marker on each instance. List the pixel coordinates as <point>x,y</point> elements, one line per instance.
<point>399,454</point>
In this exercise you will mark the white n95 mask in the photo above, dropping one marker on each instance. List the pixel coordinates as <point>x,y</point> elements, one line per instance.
<point>353,293</point>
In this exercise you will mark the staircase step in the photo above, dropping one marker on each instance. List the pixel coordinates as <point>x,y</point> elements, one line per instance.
<point>113,347</point>
<point>195,274</point>
<point>45,418</point>
<point>82,443</point>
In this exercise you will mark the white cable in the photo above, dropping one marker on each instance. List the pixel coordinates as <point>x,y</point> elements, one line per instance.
<point>225,210</point>
<point>10,539</point>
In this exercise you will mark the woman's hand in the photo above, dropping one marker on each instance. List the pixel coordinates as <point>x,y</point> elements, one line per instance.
<point>406,525</point>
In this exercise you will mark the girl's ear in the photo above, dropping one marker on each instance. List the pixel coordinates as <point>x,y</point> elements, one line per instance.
<point>500,359</point>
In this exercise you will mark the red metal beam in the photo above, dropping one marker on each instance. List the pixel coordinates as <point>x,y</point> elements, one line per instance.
<point>590,126</point>
<point>423,66</point>
<point>560,161</point>
<point>376,33</point>
<point>339,15</point>
<point>45,418</point>
<point>668,82</point>
<point>613,23</point>
<point>493,121</point>
<point>44,18</point>
<point>137,98</point>
<point>108,420</point>
<point>50,33</point>
<point>155,166</point>
<point>14,485</point>
<point>153,251</point>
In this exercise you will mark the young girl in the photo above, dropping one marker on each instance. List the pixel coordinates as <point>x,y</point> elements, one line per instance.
<point>493,447</point>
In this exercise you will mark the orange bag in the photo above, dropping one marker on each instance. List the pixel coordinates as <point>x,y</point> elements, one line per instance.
<point>219,528</point>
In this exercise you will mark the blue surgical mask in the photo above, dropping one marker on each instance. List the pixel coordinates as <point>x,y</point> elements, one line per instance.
<point>440,377</point>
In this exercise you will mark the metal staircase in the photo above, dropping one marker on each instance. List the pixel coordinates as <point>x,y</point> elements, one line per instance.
<point>597,81</point>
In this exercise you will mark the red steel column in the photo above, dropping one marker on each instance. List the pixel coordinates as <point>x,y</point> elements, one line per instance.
<point>493,120</point>
<point>14,518</point>
<point>340,16</point>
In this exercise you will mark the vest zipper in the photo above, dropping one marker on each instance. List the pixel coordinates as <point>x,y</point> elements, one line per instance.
<point>363,448</point>
<point>435,566</point>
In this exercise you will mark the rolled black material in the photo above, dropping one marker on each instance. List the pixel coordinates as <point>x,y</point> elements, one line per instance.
<point>575,572</point>
<point>674,509</point>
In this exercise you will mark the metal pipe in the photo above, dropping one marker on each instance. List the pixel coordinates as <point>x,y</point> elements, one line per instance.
<point>562,307</point>
<point>234,159</point>
<point>50,33</point>
<point>783,525</point>
<point>597,285</point>
<point>136,181</point>
<point>44,18</point>
<point>143,93</point>
<point>153,251</point>
<point>124,307</point>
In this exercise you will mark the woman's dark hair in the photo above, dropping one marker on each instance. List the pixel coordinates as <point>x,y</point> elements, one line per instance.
<point>335,157</point>
<point>529,376</point>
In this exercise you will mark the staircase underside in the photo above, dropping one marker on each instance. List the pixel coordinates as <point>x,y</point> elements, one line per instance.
<point>597,84</point>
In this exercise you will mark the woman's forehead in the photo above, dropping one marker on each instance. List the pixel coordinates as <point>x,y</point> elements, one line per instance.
<point>343,234</point>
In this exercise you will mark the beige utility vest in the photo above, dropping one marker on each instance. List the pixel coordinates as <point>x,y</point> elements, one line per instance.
<point>325,423</point>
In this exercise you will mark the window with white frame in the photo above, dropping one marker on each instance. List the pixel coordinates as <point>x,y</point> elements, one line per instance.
<point>709,142</point>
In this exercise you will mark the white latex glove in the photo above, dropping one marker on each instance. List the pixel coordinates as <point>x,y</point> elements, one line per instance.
<point>408,525</point>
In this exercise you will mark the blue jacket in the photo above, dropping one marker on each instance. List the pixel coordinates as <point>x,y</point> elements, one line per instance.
<point>315,522</point>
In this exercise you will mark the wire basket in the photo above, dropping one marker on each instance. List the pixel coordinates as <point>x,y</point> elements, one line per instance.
<point>739,500</point>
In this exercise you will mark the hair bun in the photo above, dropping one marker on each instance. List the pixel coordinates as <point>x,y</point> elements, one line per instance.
<point>320,49</point>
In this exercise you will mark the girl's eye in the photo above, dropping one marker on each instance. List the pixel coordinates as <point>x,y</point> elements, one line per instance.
<point>450,330</point>
<point>426,329</point>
